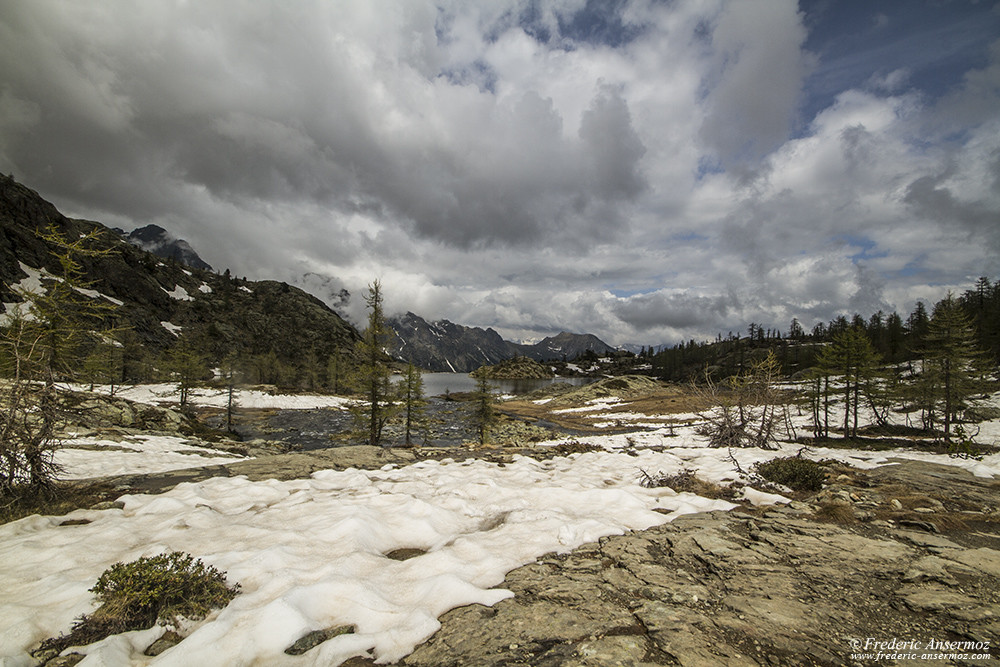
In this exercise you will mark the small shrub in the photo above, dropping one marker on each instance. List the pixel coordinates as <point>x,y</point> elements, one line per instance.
<point>136,595</point>
<point>680,482</point>
<point>796,473</point>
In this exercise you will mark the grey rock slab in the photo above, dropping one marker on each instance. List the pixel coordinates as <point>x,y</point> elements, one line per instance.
<point>927,539</point>
<point>935,598</point>
<point>984,560</point>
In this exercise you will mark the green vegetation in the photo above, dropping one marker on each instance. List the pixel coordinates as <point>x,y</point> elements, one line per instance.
<point>484,414</point>
<point>796,473</point>
<point>138,594</point>
<point>893,338</point>
<point>517,368</point>
<point>953,369</point>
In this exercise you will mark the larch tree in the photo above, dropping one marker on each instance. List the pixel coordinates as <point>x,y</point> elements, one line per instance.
<point>43,341</point>
<point>953,362</point>
<point>484,414</point>
<point>412,398</point>
<point>850,356</point>
<point>372,377</point>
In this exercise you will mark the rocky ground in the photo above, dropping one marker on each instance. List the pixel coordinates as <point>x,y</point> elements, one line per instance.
<point>779,586</point>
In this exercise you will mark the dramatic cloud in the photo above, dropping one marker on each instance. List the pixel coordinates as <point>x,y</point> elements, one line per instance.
<point>647,171</point>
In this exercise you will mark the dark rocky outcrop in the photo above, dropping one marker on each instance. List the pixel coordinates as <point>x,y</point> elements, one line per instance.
<point>519,368</point>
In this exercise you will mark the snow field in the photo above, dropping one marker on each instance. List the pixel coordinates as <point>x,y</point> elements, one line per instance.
<point>309,554</point>
<point>167,393</point>
<point>136,455</point>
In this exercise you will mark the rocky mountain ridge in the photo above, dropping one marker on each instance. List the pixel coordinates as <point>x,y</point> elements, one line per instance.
<point>161,243</point>
<point>167,290</point>
<point>444,346</point>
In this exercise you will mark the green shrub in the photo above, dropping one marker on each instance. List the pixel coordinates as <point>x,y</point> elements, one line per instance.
<point>796,473</point>
<point>136,595</point>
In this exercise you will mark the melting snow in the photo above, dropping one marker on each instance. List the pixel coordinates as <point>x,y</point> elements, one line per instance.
<point>168,393</point>
<point>309,553</point>
<point>81,458</point>
<point>179,293</point>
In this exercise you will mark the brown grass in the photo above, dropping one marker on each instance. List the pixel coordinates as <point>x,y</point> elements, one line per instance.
<point>835,513</point>
<point>667,400</point>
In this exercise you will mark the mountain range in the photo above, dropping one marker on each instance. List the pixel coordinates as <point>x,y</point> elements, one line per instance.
<point>445,346</point>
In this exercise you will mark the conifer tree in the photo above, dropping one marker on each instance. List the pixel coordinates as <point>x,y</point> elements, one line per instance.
<point>44,341</point>
<point>186,366</point>
<point>412,395</point>
<point>952,361</point>
<point>372,374</point>
<point>484,414</point>
<point>850,356</point>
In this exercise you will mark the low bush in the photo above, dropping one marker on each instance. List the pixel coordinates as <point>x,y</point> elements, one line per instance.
<point>796,473</point>
<point>136,595</point>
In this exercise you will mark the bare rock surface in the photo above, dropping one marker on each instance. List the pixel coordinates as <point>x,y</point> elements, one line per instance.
<point>747,587</point>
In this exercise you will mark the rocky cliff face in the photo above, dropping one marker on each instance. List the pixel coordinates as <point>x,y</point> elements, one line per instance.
<point>161,300</point>
<point>444,346</point>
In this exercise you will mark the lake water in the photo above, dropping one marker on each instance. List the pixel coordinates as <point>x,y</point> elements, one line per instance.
<point>436,384</point>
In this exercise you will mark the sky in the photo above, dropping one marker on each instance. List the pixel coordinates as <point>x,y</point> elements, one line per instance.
<point>648,171</point>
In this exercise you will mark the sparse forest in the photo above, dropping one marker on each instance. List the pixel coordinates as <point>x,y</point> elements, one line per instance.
<point>891,338</point>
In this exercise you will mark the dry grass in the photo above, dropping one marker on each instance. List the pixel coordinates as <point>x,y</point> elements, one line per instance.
<point>664,400</point>
<point>838,513</point>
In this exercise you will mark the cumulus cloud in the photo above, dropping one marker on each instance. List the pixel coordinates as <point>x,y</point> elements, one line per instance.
<point>637,169</point>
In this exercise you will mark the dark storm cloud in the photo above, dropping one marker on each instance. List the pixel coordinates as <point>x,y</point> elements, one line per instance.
<point>928,199</point>
<point>674,310</point>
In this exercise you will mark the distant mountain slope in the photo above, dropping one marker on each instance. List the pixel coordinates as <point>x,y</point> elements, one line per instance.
<point>161,243</point>
<point>161,299</point>
<point>445,346</point>
<point>565,346</point>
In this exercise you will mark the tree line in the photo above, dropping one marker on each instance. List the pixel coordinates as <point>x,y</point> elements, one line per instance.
<point>892,337</point>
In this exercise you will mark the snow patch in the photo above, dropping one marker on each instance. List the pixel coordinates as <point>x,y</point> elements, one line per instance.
<point>168,394</point>
<point>82,458</point>
<point>179,293</point>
